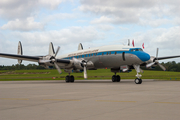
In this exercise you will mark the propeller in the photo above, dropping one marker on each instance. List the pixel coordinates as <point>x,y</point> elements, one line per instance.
<point>53,60</point>
<point>84,64</point>
<point>85,71</point>
<point>155,61</point>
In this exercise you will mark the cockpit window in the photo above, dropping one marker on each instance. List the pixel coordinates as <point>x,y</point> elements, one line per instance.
<point>136,49</point>
<point>140,49</point>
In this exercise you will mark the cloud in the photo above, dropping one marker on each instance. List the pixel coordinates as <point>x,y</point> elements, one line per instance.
<point>167,39</point>
<point>59,16</point>
<point>64,36</point>
<point>113,19</point>
<point>105,27</point>
<point>132,11</point>
<point>21,9</point>
<point>23,25</point>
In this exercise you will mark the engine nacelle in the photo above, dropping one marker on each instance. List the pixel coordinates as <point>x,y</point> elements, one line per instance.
<point>79,64</point>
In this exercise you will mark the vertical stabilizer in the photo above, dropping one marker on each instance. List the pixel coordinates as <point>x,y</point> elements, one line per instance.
<point>128,42</point>
<point>51,49</point>
<point>20,51</point>
<point>80,47</point>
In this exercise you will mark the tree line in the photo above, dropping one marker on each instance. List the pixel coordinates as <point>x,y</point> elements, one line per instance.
<point>21,67</point>
<point>170,66</point>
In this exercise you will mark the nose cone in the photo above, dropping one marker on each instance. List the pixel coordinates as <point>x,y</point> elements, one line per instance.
<point>143,56</point>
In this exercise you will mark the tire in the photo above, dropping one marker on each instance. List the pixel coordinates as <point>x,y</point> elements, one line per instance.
<point>118,78</point>
<point>71,78</point>
<point>138,81</point>
<point>113,78</point>
<point>67,79</point>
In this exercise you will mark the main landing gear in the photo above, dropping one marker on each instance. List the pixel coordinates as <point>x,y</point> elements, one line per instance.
<point>116,78</point>
<point>69,78</point>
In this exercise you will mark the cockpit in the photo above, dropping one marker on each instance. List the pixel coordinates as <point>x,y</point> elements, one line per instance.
<point>136,49</point>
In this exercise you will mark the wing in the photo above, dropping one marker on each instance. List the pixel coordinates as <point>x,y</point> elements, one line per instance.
<point>30,58</point>
<point>168,57</point>
<point>21,57</point>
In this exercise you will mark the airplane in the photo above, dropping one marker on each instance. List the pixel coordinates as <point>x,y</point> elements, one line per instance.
<point>118,58</point>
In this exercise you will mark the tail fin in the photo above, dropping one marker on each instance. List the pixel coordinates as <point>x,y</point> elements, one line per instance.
<point>20,51</point>
<point>80,47</point>
<point>51,49</point>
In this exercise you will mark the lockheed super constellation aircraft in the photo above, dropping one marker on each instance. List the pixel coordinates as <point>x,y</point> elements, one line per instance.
<point>119,58</point>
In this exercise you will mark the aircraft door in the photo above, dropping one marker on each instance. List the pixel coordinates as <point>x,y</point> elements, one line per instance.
<point>123,56</point>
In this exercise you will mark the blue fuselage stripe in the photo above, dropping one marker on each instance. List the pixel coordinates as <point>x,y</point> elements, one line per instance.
<point>140,54</point>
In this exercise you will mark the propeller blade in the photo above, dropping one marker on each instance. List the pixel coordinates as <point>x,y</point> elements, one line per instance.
<point>57,67</point>
<point>141,70</point>
<point>85,73</point>
<point>150,64</point>
<point>157,53</point>
<point>162,67</point>
<point>57,51</point>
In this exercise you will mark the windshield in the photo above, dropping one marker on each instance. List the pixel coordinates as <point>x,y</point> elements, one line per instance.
<point>136,49</point>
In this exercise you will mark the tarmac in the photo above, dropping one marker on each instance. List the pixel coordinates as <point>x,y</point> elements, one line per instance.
<point>89,100</point>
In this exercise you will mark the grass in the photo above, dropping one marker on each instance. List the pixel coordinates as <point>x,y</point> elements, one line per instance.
<point>48,74</point>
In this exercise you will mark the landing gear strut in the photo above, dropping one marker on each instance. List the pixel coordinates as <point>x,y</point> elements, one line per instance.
<point>116,78</point>
<point>69,78</point>
<point>138,80</point>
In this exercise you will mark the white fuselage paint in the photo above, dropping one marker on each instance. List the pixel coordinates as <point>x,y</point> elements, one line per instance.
<point>105,57</point>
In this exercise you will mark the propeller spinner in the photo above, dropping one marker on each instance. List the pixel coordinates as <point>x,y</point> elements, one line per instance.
<point>53,60</point>
<point>155,61</point>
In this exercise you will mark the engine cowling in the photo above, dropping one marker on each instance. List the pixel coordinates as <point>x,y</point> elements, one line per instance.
<point>80,64</point>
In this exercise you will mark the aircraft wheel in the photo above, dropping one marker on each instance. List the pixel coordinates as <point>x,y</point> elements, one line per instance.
<point>113,78</point>
<point>138,81</point>
<point>118,78</point>
<point>71,78</point>
<point>67,79</point>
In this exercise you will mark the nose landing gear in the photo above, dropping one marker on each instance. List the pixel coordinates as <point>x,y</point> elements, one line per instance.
<point>138,81</point>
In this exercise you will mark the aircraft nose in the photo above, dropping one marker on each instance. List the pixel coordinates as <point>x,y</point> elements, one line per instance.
<point>144,56</point>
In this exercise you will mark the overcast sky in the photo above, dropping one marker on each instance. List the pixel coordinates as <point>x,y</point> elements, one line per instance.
<point>66,23</point>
